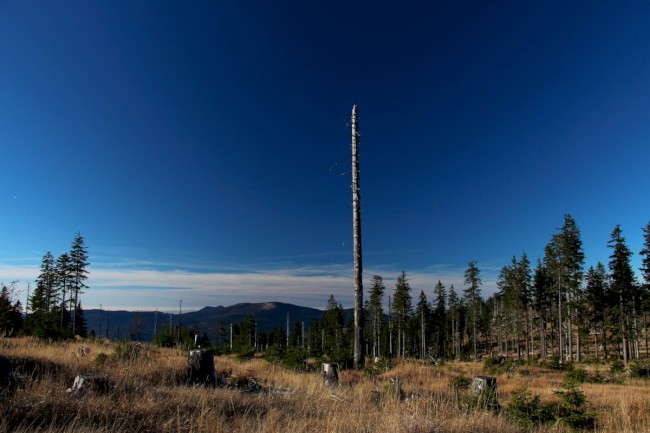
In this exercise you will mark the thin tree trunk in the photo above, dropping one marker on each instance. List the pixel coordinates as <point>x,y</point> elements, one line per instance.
<point>374,334</point>
<point>635,334</point>
<point>423,344</point>
<point>62,310</point>
<point>559,311</point>
<point>506,341</point>
<point>542,336</point>
<point>517,339</point>
<point>358,267</point>
<point>474,334</point>
<point>578,357</point>
<point>390,329</point>
<point>605,352</point>
<point>529,317</point>
<point>645,325</point>
<point>623,330</point>
<point>569,327</point>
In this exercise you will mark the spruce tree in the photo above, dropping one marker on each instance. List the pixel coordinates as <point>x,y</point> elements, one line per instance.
<point>332,327</point>
<point>454,321</point>
<point>42,321</point>
<point>63,282</point>
<point>645,287</point>
<point>46,285</point>
<point>423,314</point>
<point>80,322</point>
<point>597,305</point>
<point>376,311</point>
<point>440,318</point>
<point>508,299</point>
<point>523,283</point>
<point>543,302</point>
<point>623,284</point>
<point>11,317</point>
<point>78,273</point>
<point>402,311</point>
<point>565,260</point>
<point>472,295</point>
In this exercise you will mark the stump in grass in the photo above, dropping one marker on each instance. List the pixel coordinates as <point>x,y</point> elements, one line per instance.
<point>200,369</point>
<point>484,390</point>
<point>331,373</point>
<point>92,381</point>
<point>395,388</point>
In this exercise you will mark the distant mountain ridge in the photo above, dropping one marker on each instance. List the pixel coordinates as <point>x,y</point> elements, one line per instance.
<point>141,325</point>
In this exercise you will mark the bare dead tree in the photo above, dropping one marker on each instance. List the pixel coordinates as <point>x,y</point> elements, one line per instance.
<point>358,360</point>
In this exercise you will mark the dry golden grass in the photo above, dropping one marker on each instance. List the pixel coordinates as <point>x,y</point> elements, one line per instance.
<point>147,395</point>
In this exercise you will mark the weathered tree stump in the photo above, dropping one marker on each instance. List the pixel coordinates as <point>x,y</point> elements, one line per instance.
<point>200,369</point>
<point>82,351</point>
<point>89,381</point>
<point>395,388</point>
<point>331,373</point>
<point>484,389</point>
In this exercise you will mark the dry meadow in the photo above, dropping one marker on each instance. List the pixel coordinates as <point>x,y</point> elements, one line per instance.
<point>147,393</point>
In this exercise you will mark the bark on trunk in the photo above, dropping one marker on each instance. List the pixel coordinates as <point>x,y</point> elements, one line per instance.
<point>356,228</point>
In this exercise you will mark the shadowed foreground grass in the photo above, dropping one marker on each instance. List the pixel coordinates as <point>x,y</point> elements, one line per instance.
<point>147,394</point>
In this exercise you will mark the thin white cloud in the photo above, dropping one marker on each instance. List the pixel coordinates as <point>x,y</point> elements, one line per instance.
<point>119,286</point>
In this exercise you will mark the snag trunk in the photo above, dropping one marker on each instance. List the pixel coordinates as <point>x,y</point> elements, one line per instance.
<point>356,228</point>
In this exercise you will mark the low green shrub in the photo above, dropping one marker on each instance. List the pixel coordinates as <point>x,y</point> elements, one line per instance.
<point>577,375</point>
<point>294,359</point>
<point>529,412</point>
<point>101,358</point>
<point>572,411</point>
<point>500,365</point>
<point>526,410</point>
<point>639,370</point>
<point>459,383</point>
<point>127,351</point>
<point>617,367</point>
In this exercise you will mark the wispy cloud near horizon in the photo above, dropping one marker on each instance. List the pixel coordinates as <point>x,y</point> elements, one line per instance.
<point>148,285</point>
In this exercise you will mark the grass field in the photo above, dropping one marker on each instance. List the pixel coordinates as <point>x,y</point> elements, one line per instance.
<point>147,394</point>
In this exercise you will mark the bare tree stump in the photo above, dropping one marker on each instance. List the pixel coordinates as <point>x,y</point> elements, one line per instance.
<point>331,373</point>
<point>484,389</point>
<point>82,351</point>
<point>395,388</point>
<point>200,369</point>
<point>89,381</point>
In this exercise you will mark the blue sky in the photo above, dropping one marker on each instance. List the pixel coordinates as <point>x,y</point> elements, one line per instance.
<point>191,143</point>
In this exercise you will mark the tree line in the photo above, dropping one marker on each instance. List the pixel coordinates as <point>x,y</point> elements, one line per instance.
<point>54,307</point>
<point>556,309</point>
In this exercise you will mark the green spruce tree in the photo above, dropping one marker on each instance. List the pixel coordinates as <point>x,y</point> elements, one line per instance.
<point>622,284</point>
<point>645,287</point>
<point>376,312</point>
<point>440,319</point>
<point>472,295</point>
<point>78,275</point>
<point>402,308</point>
<point>11,317</point>
<point>597,305</point>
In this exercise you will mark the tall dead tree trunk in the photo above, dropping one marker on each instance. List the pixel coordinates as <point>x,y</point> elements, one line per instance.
<point>356,229</point>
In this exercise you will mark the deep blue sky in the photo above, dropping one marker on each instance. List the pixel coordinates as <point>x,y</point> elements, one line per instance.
<point>191,143</point>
